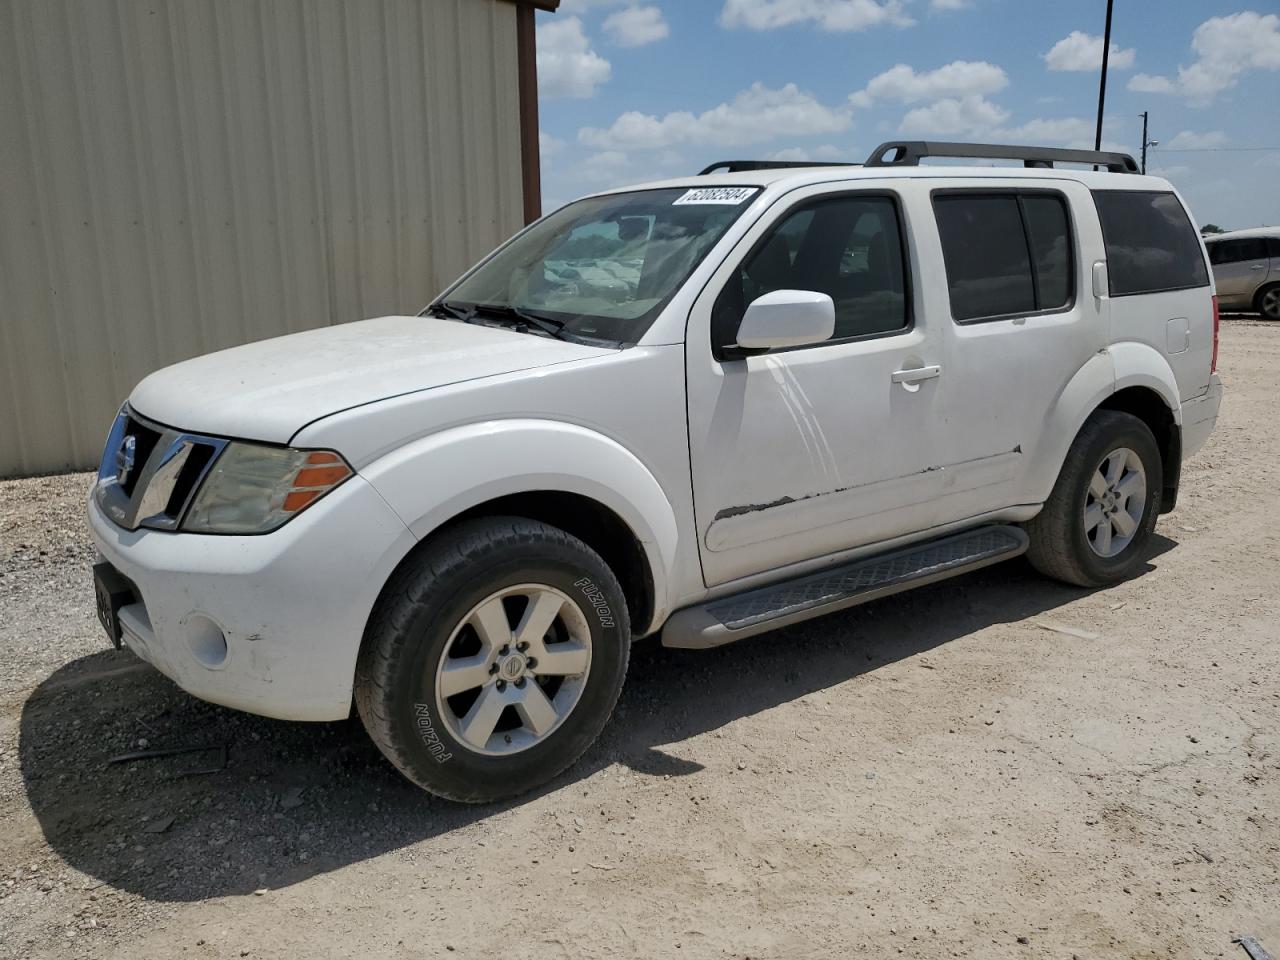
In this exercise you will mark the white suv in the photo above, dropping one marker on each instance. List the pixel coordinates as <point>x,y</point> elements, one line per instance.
<point>706,407</point>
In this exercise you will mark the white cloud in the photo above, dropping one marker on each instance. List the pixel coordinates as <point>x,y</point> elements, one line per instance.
<point>548,145</point>
<point>636,26</point>
<point>977,118</point>
<point>582,6</point>
<point>1146,83</point>
<point>1079,51</point>
<point>947,5</point>
<point>605,165</point>
<point>952,116</point>
<point>1063,132</point>
<point>831,15</point>
<point>1225,47</point>
<point>1190,140</point>
<point>961,78</point>
<point>1169,173</point>
<point>567,66</point>
<point>753,116</point>
<point>825,152</point>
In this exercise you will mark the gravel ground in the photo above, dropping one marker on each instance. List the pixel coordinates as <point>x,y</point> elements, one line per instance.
<point>993,767</point>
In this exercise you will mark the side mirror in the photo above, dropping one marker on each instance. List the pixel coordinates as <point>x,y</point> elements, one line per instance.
<point>787,318</point>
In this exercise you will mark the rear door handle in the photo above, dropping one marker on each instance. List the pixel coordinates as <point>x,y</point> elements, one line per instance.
<point>1257,266</point>
<point>916,374</point>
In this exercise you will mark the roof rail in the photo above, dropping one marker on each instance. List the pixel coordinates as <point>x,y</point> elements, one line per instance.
<point>740,166</point>
<point>909,153</point>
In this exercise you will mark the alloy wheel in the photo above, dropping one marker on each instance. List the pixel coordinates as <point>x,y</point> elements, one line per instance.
<point>514,668</point>
<point>1116,502</point>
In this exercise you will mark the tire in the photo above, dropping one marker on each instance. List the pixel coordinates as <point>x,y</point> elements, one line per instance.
<point>1063,543</point>
<point>439,626</point>
<point>1268,302</point>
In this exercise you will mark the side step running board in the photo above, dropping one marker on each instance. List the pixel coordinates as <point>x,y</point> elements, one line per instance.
<point>766,608</point>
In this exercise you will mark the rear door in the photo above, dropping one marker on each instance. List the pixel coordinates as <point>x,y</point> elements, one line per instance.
<point>1240,267</point>
<point>1021,321</point>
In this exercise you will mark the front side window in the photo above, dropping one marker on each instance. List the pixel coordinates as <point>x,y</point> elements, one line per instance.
<point>601,268</point>
<point>1006,254</point>
<point>848,247</point>
<point>1151,245</point>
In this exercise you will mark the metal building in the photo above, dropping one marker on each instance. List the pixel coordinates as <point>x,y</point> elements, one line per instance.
<point>178,176</point>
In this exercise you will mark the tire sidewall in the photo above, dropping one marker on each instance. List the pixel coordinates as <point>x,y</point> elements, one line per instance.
<point>1137,437</point>
<point>435,758</point>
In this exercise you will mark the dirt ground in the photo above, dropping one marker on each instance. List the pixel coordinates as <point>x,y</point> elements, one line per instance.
<point>997,766</point>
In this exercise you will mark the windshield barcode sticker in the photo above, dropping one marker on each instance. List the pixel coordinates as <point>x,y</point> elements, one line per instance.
<point>731,196</point>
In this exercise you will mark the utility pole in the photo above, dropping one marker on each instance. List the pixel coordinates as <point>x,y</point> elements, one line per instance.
<point>1144,141</point>
<point>1102,85</point>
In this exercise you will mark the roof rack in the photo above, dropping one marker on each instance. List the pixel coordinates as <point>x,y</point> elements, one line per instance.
<point>741,166</point>
<point>909,153</point>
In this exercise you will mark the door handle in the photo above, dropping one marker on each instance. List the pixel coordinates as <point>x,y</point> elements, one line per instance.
<point>916,374</point>
<point>1257,266</point>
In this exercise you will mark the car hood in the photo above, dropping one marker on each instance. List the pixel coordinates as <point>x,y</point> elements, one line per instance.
<point>270,389</point>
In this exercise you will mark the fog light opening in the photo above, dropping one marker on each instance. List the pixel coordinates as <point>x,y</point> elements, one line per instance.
<point>208,642</point>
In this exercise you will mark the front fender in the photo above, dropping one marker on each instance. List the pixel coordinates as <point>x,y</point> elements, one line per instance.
<point>432,480</point>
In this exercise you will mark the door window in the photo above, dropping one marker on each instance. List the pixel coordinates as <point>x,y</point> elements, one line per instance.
<point>848,247</point>
<point>1006,254</point>
<point>1151,245</point>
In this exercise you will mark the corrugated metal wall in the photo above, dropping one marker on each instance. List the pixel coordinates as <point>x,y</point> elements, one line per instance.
<point>178,176</point>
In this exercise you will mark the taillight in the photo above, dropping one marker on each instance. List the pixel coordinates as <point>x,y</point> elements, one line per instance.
<point>1217,322</point>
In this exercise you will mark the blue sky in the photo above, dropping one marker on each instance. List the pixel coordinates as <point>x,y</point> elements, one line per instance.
<point>633,90</point>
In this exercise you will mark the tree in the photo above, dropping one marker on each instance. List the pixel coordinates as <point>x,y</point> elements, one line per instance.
<point>1209,228</point>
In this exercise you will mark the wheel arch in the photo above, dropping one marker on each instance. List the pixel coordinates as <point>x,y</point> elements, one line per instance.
<point>1153,410</point>
<point>1129,377</point>
<point>1262,292</point>
<point>1146,388</point>
<point>568,476</point>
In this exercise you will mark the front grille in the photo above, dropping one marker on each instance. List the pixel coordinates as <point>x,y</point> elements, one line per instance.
<point>146,438</point>
<point>149,474</point>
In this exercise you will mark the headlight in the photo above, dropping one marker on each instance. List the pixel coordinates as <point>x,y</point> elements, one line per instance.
<point>253,488</point>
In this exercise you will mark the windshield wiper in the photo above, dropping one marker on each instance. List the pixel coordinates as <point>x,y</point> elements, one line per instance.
<point>520,317</point>
<point>465,314</point>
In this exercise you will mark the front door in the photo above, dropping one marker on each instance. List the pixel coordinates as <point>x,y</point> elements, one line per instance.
<point>802,452</point>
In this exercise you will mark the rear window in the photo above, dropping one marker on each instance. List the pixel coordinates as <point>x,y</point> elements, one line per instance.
<point>1151,245</point>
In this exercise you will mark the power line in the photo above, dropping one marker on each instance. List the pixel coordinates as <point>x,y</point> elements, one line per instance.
<point>1218,149</point>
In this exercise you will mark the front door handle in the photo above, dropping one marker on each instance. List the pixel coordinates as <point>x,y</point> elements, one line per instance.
<point>1257,266</point>
<point>916,374</point>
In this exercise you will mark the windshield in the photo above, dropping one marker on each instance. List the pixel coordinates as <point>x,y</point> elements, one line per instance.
<point>604,266</point>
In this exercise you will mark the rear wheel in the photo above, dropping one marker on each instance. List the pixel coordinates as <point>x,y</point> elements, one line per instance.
<point>1269,301</point>
<point>493,659</point>
<point>1095,526</point>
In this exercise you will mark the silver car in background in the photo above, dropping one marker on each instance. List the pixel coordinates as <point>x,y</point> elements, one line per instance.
<point>1246,270</point>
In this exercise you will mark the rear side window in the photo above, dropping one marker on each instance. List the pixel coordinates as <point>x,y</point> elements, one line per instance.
<point>1007,254</point>
<point>1151,245</point>
<point>1238,251</point>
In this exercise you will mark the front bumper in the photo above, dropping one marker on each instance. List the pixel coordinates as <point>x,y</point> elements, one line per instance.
<point>1199,416</point>
<point>268,624</point>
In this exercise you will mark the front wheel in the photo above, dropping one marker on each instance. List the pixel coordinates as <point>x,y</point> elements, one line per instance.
<point>493,659</point>
<point>1095,526</point>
